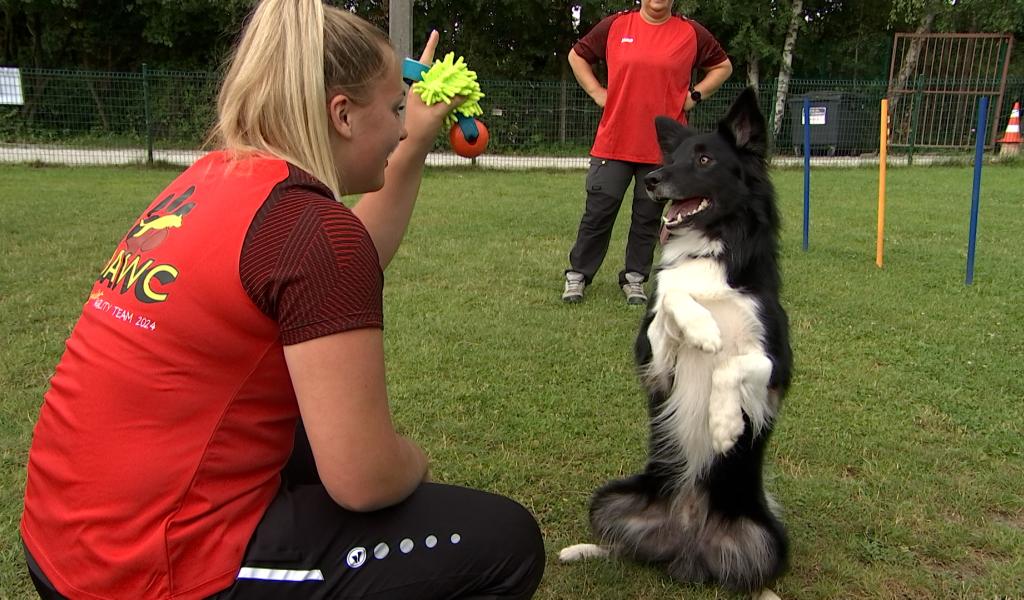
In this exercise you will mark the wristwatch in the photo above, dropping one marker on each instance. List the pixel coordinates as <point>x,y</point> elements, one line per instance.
<point>695,96</point>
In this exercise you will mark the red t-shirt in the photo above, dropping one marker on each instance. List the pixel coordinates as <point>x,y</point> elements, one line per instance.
<point>649,69</point>
<point>161,439</point>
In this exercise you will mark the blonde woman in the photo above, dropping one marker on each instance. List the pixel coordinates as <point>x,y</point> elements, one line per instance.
<point>244,297</point>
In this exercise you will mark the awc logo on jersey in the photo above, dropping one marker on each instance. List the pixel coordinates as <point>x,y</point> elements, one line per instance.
<point>126,269</point>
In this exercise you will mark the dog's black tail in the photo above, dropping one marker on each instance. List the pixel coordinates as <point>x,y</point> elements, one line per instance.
<point>641,518</point>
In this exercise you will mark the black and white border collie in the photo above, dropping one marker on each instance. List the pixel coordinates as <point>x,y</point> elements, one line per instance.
<point>713,355</point>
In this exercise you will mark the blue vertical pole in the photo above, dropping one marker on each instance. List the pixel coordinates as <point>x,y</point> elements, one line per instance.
<point>979,155</point>
<point>807,168</point>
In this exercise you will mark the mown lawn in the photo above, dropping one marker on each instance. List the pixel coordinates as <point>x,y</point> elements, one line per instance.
<point>899,455</point>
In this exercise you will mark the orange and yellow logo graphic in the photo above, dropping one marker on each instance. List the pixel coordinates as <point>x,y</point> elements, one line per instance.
<point>152,229</point>
<point>126,270</point>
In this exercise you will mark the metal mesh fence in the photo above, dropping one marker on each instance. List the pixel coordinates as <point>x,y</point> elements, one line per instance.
<point>80,117</point>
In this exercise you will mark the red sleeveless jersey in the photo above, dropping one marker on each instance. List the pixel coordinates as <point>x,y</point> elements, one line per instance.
<point>174,400</point>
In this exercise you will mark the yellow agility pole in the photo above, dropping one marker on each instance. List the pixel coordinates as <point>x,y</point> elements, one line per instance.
<point>882,152</point>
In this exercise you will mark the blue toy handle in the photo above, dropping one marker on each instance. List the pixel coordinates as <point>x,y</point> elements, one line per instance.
<point>468,126</point>
<point>412,71</point>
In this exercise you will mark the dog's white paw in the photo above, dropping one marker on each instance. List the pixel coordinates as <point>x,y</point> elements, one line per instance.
<point>765,594</point>
<point>704,335</point>
<point>726,429</point>
<point>581,551</point>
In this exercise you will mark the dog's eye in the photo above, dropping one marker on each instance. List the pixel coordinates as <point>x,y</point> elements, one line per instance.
<point>704,160</point>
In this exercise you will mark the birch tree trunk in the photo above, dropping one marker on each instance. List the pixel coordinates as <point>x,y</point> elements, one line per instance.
<point>753,70</point>
<point>910,58</point>
<point>786,69</point>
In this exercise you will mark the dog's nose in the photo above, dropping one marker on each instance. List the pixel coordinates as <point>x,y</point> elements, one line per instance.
<point>653,179</point>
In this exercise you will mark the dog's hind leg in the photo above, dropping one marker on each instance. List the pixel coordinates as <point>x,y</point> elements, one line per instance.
<point>742,555</point>
<point>631,518</point>
<point>582,552</point>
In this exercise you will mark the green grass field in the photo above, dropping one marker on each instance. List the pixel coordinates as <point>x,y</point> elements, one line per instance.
<point>898,457</point>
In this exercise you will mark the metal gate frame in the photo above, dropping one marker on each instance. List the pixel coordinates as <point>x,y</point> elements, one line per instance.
<point>948,64</point>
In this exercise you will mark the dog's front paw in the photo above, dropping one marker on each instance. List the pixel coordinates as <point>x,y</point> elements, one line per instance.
<point>581,551</point>
<point>704,335</point>
<point>726,429</point>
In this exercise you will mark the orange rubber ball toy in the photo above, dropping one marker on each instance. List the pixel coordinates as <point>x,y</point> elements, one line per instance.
<point>465,148</point>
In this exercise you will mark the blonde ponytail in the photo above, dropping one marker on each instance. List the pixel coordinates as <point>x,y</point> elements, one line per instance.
<point>274,96</point>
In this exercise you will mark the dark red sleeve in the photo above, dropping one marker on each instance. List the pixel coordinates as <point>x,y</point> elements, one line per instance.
<point>593,46</point>
<point>309,264</point>
<point>709,51</point>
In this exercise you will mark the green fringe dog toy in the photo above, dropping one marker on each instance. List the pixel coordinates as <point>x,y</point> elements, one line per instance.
<point>441,82</point>
<point>446,79</point>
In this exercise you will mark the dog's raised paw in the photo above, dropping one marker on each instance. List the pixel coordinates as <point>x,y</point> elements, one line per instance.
<point>726,429</point>
<point>705,335</point>
<point>581,552</point>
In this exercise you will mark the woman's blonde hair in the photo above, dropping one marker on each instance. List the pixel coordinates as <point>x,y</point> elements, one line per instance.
<point>274,96</point>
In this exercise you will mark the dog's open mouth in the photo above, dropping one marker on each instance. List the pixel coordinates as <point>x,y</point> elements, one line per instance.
<point>680,211</point>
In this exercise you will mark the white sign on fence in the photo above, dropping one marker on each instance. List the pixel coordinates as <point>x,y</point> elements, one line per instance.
<point>10,86</point>
<point>817,115</point>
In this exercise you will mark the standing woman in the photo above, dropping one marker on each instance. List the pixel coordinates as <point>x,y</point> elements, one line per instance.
<point>245,296</point>
<point>651,53</point>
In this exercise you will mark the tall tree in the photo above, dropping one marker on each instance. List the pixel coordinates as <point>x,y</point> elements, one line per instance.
<point>750,32</point>
<point>119,35</point>
<point>761,34</point>
<point>502,39</point>
<point>924,12</point>
<point>846,39</point>
<point>993,16</point>
<point>786,66</point>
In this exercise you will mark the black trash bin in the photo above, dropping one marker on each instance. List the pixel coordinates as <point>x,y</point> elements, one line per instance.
<point>840,123</point>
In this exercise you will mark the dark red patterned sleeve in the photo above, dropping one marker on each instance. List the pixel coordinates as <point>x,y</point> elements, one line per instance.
<point>592,47</point>
<point>709,51</point>
<point>309,264</point>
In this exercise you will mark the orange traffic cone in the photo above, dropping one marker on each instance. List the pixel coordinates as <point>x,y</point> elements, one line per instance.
<point>1011,139</point>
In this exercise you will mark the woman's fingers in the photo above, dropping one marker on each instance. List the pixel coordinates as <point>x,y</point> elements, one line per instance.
<point>427,57</point>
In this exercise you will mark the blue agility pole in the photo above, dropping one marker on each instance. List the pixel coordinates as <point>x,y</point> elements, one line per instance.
<point>807,168</point>
<point>979,155</point>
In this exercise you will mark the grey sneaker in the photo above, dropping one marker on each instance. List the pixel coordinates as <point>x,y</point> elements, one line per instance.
<point>634,289</point>
<point>574,284</point>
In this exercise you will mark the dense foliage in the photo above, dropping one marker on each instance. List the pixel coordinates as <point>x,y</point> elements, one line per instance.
<point>502,39</point>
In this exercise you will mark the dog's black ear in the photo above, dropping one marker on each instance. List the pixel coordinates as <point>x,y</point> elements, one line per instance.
<point>670,133</point>
<point>745,124</point>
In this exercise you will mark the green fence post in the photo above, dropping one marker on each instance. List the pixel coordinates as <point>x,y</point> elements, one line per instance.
<point>149,122</point>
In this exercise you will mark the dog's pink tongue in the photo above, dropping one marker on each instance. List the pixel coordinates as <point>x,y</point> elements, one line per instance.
<point>674,210</point>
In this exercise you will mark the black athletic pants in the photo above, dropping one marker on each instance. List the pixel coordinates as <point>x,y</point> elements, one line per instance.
<point>607,181</point>
<point>441,542</point>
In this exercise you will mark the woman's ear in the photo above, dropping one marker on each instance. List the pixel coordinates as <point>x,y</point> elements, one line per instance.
<point>338,114</point>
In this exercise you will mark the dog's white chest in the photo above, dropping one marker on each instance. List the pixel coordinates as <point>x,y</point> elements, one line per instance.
<point>704,282</point>
<point>707,346</point>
